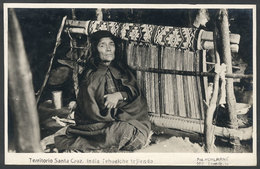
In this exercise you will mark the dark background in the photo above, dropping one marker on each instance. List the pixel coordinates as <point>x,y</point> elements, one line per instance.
<point>40,27</point>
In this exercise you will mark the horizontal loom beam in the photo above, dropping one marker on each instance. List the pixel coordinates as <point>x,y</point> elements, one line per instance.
<point>197,126</point>
<point>189,73</point>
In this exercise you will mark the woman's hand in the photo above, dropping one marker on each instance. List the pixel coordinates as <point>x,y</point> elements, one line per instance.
<point>112,99</point>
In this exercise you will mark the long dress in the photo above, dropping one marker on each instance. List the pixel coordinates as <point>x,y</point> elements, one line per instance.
<point>98,128</point>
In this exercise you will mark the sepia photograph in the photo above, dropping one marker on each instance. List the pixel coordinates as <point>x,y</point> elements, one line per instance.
<point>130,84</point>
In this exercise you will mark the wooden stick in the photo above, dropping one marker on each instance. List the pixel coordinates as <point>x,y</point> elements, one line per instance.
<point>208,36</point>
<point>189,73</point>
<point>157,79</point>
<point>73,44</point>
<point>187,84</point>
<point>165,94</point>
<point>171,79</point>
<point>58,41</point>
<point>207,45</point>
<point>161,80</point>
<point>21,95</point>
<point>208,127</point>
<point>211,63</point>
<point>181,104</point>
<point>192,85</point>
<point>175,86</point>
<point>205,82</point>
<point>154,82</point>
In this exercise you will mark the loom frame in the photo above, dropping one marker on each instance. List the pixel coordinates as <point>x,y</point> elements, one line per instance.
<point>78,27</point>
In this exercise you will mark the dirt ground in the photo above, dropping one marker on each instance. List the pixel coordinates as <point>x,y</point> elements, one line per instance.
<point>159,144</point>
<point>164,143</point>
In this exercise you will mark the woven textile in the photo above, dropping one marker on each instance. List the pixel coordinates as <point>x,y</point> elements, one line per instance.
<point>169,94</point>
<point>180,38</point>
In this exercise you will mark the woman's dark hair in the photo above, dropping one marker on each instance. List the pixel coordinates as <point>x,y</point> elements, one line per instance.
<point>94,59</point>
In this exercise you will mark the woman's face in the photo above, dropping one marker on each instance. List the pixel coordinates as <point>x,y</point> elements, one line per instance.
<point>106,49</point>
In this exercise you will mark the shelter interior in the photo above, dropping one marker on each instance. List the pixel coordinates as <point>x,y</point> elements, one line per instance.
<point>173,55</point>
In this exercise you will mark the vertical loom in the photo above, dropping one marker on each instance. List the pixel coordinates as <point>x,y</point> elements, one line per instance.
<point>181,95</point>
<point>170,67</point>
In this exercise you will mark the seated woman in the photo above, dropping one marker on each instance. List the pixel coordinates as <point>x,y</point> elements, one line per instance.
<point>111,112</point>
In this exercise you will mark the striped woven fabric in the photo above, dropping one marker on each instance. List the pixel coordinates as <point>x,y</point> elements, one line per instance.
<point>169,94</point>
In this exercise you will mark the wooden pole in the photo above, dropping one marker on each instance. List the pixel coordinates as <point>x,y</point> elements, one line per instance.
<point>227,58</point>
<point>99,14</point>
<point>75,57</point>
<point>73,14</point>
<point>57,44</point>
<point>21,94</point>
<point>208,127</point>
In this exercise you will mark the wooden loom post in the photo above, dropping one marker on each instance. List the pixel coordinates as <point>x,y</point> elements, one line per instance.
<point>224,45</point>
<point>208,126</point>
<point>21,95</point>
<point>227,58</point>
<point>74,53</point>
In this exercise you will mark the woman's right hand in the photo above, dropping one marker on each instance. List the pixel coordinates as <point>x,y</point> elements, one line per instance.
<point>112,99</point>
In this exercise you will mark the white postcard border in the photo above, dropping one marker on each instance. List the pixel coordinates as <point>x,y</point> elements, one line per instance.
<point>177,159</point>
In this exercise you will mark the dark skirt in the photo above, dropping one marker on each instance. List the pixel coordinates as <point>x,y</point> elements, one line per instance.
<point>111,137</point>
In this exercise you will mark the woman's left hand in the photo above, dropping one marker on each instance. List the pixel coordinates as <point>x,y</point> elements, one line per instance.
<point>112,99</point>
